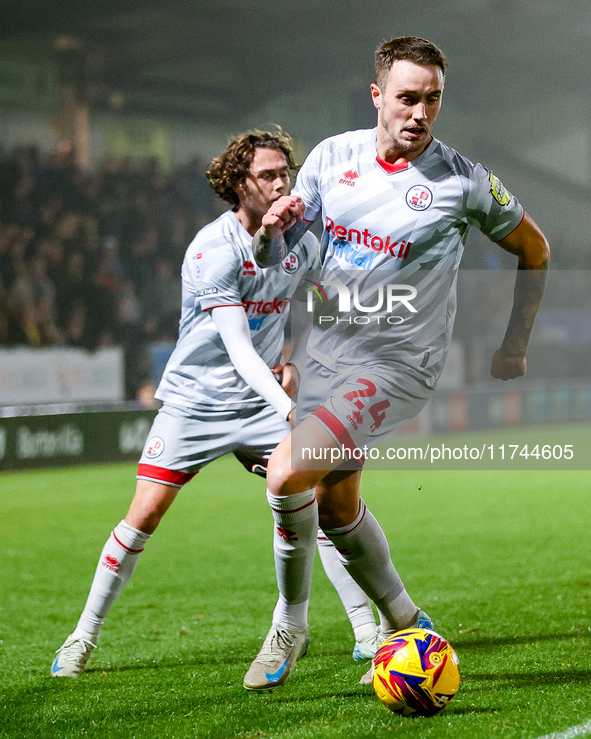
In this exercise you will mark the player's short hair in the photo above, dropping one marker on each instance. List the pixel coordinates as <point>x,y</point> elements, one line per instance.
<point>409,48</point>
<point>232,167</point>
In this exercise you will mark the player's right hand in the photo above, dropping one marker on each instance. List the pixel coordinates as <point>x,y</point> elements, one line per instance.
<point>504,367</point>
<point>282,215</point>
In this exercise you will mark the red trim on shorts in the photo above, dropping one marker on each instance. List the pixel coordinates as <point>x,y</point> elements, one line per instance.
<point>264,463</point>
<point>161,474</point>
<point>122,545</point>
<point>337,428</point>
<point>390,168</point>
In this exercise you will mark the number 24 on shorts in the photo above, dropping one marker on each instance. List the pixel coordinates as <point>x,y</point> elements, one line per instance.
<point>375,410</point>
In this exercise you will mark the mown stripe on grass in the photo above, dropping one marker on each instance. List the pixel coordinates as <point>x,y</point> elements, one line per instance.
<point>574,731</point>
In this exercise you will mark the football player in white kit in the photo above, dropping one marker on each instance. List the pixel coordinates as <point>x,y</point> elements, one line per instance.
<point>219,390</point>
<point>396,206</point>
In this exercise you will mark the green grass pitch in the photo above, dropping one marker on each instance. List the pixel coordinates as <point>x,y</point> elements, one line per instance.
<point>500,560</point>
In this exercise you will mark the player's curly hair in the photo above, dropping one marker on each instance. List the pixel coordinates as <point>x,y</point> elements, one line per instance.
<point>411,48</point>
<point>232,167</point>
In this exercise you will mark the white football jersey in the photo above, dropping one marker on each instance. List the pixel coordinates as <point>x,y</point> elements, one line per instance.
<point>219,270</point>
<point>391,246</point>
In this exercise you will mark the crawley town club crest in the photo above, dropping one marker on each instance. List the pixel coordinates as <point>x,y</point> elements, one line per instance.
<point>291,263</point>
<point>419,197</point>
<point>154,447</point>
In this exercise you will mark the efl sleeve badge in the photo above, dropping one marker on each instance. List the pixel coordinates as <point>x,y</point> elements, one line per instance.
<point>498,190</point>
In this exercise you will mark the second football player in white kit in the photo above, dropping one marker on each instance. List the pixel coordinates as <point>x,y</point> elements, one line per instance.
<point>218,390</point>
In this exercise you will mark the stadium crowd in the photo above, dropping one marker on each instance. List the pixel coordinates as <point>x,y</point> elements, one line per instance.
<point>92,259</point>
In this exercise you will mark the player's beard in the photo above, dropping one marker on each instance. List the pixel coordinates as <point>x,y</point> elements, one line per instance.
<point>408,147</point>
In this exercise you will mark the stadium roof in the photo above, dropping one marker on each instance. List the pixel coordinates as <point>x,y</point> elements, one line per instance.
<point>215,60</point>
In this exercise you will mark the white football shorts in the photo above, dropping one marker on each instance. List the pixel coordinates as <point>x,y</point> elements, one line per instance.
<point>182,441</point>
<point>361,405</point>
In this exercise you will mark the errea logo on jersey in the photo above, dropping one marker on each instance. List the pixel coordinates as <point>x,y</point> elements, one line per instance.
<point>348,178</point>
<point>248,269</point>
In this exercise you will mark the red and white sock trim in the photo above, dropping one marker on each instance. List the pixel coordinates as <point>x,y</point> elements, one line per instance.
<point>289,509</point>
<point>347,530</point>
<point>322,540</point>
<point>122,545</point>
<point>130,539</point>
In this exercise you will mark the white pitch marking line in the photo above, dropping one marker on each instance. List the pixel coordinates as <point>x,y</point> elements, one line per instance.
<point>574,731</point>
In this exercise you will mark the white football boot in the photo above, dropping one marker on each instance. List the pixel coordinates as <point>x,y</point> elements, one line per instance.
<point>71,658</point>
<point>274,663</point>
<point>367,647</point>
<point>423,621</point>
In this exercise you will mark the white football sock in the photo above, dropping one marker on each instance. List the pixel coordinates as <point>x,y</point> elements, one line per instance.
<point>363,549</point>
<point>117,562</point>
<point>296,524</point>
<point>355,601</point>
<point>294,616</point>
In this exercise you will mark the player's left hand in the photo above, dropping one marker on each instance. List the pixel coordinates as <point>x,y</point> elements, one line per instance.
<point>507,368</point>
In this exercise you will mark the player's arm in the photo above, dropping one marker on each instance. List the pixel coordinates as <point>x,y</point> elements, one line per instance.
<point>282,227</point>
<point>232,324</point>
<point>529,244</point>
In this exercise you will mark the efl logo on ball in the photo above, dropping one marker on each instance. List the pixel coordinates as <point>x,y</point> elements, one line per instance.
<point>416,673</point>
<point>154,447</point>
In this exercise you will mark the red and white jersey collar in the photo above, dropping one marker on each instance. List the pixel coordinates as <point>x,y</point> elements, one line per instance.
<point>393,168</point>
